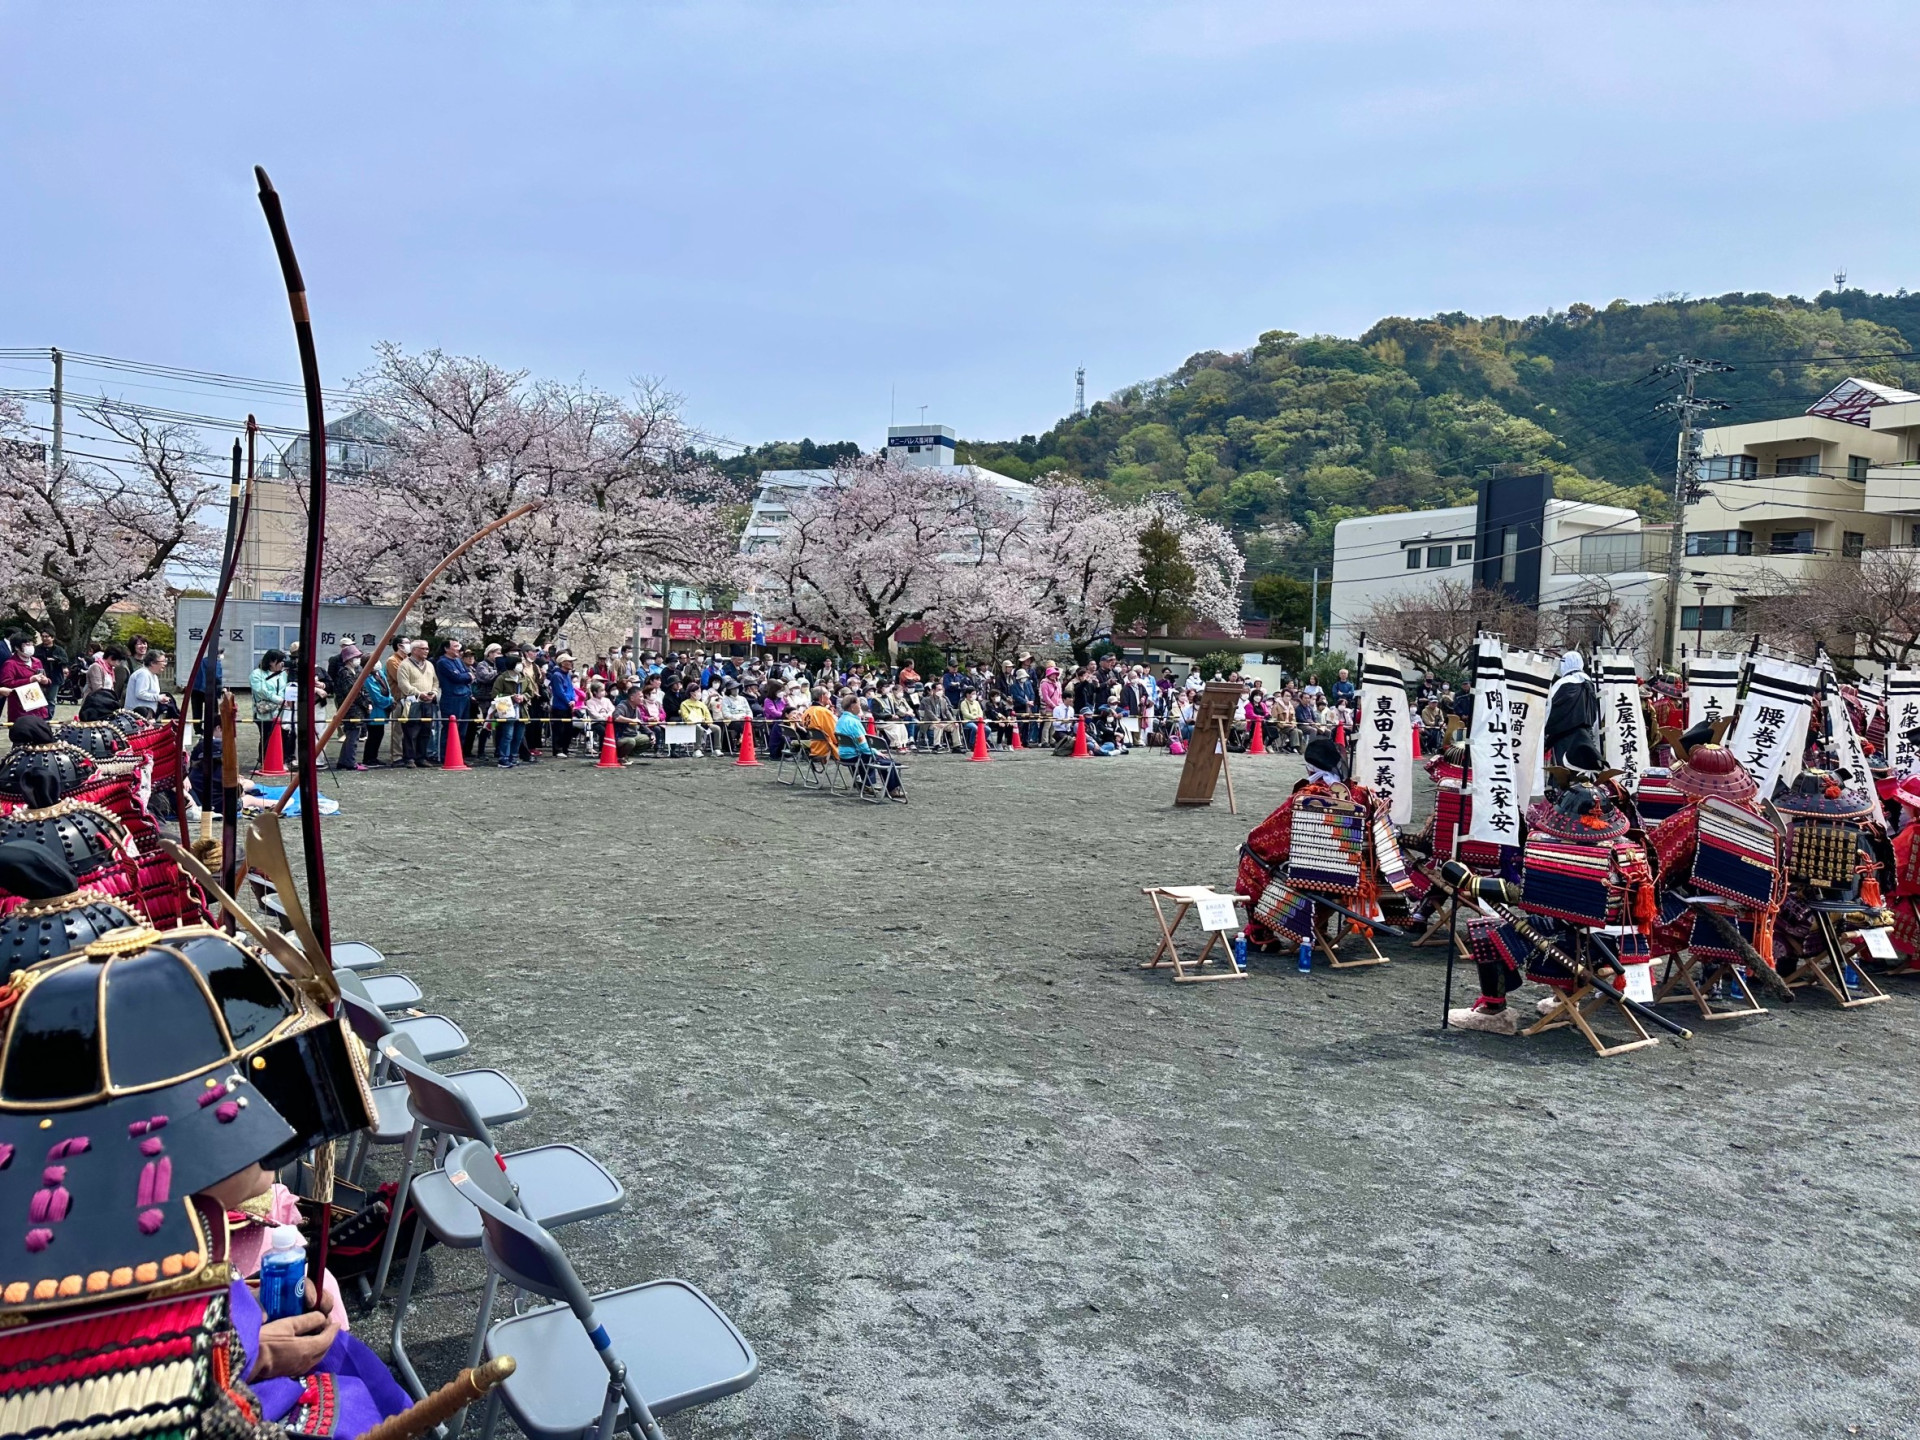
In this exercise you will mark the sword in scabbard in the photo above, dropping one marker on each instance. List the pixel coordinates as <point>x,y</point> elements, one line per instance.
<point>1482,892</point>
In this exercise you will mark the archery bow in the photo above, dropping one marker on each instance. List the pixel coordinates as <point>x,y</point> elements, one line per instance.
<point>310,576</point>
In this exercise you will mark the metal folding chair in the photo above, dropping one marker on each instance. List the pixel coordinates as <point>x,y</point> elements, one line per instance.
<point>493,1094</point>
<point>792,762</point>
<point>436,1037</point>
<point>593,1364</point>
<point>555,1184</point>
<point>827,775</point>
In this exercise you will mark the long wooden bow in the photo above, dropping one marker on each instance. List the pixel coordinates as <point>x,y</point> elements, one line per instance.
<point>310,575</point>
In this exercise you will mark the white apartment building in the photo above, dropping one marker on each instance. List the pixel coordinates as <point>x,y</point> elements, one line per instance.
<point>1784,499</point>
<point>1589,555</point>
<point>907,445</point>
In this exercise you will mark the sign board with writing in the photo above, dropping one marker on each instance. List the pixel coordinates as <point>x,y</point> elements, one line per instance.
<point>1496,761</point>
<point>1383,740</point>
<point>1772,728</point>
<point>1623,723</point>
<point>1201,773</point>
<point>1903,717</point>
<point>1529,678</point>
<point>253,627</point>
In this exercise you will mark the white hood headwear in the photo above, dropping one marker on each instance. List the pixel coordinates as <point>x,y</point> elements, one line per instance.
<point>1572,664</point>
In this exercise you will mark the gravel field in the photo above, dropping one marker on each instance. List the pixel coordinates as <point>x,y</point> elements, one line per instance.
<point>888,1084</point>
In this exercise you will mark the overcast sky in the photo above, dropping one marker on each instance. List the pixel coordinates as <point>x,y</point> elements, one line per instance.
<point>790,212</point>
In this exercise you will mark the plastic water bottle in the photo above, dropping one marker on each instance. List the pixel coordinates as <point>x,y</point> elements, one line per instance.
<point>1240,951</point>
<point>283,1273</point>
<point>1306,957</point>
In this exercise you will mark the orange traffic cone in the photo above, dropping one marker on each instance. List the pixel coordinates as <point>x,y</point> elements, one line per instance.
<point>1080,739</point>
<point>1340,736</point>
<point>1416,742</point>
<point>609,752</point>
<point>746,755</point>
<point>1257,744</point>
<point>456,758</point>
<point>1013,736</point>
<point>870,729</point>
<point>273,764</point>
<point>979,741</point>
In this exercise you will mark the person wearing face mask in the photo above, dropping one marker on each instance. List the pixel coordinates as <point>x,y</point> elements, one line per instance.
<point>27,688</point>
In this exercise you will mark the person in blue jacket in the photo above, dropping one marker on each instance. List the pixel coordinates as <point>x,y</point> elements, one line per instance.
<point>456,694</point>
<point>564,697</point>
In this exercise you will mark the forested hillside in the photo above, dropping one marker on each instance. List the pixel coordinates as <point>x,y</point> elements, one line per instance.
<point>1283,440</point>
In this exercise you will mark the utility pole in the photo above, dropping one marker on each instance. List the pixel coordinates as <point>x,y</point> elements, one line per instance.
<point>1686,477</point>
<point>59,407</point>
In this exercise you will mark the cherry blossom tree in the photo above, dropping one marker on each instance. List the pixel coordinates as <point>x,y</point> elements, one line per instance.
<point>879,546</point>
<point>79,537</point>
<point>1083,554</point>
<point>1216,561</point>
<point>619,495</point>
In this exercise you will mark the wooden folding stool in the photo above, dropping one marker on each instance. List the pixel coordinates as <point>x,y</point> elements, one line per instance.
<point>1186,898</point>
<point>1575,1009</point>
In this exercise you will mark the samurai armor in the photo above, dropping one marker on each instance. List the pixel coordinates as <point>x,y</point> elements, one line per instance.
<point>1707,943</point>
<point>162,890</point>
<point>99,738</point>
<point>1567,881</point>
<point>42,929</point>
<point>161,745</point>
<point>1823,852</point>
<point>1329,848</point>
<point>1285,912</point>
<point>68,765</point>
<point>1656,798</point>
<point>1388,856</point>
<point>1495,942</point>
<point>89,838</point>
<point>1737,855</point>
<point>154,1371</point>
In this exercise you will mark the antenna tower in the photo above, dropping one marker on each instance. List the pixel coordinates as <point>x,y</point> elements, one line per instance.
<point>1080,393</point>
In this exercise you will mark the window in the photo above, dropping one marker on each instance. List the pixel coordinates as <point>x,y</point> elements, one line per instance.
<point>1413,557</point>
<point>1731,467</point>
<point>1791,542</point>
<point>1713,617</point>
<point>1509,557</point>
<point>1796,465</point>
<point>1857,467</point>
<point>1852,544</point>
<point>1463,552</point>
<point>1719,542</point>
<point>1439,557</point>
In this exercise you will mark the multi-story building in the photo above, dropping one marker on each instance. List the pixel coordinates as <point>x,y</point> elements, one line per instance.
<point>274,550</point>
<point>907,445</point>
<point>1783,500</point>
<point>1559,555</point>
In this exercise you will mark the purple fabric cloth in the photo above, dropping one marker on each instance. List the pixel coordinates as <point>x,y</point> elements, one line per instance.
<point>366,1392</point>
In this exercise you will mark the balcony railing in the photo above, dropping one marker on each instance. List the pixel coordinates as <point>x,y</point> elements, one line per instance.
<point>1612,562</point>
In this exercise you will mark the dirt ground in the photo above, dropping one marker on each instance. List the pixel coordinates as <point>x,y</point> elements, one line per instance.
<point>888,1084</point>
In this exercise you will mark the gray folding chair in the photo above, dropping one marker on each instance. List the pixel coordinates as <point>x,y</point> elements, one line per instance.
<point>347,954</point>
<point>436,1037</point>
<point>792,764</point>
<point>556,1184</point>
<point>593,1364</point>
<point>392,993</point>
<point>493,1094</point>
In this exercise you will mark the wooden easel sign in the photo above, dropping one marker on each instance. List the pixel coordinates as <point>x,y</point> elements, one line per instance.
<point>1207,752</point>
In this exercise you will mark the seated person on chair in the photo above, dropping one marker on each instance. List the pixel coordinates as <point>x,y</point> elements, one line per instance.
<point>819,723</point>
<point>857,751</point>
<point>694,712</point>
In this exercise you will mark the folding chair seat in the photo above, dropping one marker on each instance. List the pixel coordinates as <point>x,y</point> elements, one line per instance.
<point>356,955</point>
<point>556,1184</point>
<point>593,1364</point>
<point>437,1037</point>
<point>391,992</point>
<point>493,1094</point>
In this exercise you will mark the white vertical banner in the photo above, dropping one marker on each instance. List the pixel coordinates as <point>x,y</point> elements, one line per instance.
<point>1529,677</point>
<point>1903,715</point>
<point>1383,750</point>
<point>1496,787</point>
<point>1849,754</point>
<point>1772,729</point>
<point>1623,721</point>
<point>1713,687</point>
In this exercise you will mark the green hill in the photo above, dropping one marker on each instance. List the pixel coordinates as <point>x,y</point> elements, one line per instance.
<point>1285,439</point>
